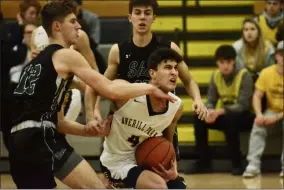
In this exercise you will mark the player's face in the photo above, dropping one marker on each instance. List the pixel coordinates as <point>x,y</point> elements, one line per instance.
<point>273,7</point>
<point>250,32</point>
<point>142,18</point>
<point>226,67</point>
<point>166,75</point>
<point>70,29</point>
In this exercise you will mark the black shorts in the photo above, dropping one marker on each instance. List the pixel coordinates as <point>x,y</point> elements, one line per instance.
<point>128,182</point>
<point>39,154</point>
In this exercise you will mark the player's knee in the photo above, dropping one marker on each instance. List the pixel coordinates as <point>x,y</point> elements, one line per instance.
<point>178,183</point>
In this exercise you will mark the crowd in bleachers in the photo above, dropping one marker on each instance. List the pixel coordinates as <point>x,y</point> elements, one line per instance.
<point>245,93</point>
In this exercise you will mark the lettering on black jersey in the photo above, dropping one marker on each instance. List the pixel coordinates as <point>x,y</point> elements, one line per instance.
<point>28,80</point>
<point>137,70</point>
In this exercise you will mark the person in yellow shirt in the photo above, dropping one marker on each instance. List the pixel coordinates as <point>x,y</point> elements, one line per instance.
<point>270,82</point>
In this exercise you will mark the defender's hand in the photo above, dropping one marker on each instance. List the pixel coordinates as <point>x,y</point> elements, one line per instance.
<point>199,108</point>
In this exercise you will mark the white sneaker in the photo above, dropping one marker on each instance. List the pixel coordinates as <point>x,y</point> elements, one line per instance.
<point>251,171</point>
<point>281,174</point>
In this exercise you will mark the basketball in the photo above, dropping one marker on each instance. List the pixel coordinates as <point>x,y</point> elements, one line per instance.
<point>154,151</point>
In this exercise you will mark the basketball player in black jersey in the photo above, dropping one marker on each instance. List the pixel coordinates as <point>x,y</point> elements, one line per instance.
<point>127,60</point>
<point>38,148</point>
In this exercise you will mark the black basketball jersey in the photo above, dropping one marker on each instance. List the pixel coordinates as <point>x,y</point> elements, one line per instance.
<point>133,59</point>
<point>40,92</point>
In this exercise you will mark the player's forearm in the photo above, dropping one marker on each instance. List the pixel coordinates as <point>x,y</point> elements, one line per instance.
<point>90,100</point>
<point>128,91</point>
<point>71,127</point>
<point>97,104</point>
<point>193,90</point>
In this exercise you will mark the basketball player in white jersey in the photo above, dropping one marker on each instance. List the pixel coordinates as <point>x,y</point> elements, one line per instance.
<point>73,99</point>
<point>139,118</point>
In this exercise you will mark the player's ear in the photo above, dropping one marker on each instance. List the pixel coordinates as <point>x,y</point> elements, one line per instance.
<point>129,18</point>
<point>152,73</point>
<point>56,26</point>
<point>154,18</point>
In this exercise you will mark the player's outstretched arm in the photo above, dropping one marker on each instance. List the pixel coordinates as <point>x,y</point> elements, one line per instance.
<point>190,86</point>
<point>67,61</point>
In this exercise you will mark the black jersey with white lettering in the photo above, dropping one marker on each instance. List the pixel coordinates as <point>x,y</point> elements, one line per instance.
<point>133,59</point>
<point>40,92</point>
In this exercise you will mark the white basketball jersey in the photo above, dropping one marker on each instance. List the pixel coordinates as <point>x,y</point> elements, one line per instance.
<point>135,121</point>
<point>41,38</point>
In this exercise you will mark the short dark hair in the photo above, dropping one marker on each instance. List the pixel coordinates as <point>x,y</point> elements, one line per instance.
<point>152,3</point>
<point>56,11</point>
<point>162,54</point>
<point>226,52</point>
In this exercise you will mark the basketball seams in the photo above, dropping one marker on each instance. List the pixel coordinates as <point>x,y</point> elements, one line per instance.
<point>169,147</point>
<point>153,150</point>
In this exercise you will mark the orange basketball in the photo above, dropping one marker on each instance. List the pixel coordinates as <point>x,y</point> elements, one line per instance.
<point>153,151</point>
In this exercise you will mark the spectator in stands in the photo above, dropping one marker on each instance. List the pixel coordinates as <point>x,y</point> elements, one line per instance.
<point>253,52</point>
<point>269,83</point>
<point>23,53</point>
<point>90,23</point>
<point>29,11</point>
<point>270,19</point>
<point>229,102</point>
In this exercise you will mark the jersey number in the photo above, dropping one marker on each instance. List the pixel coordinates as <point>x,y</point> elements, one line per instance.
<point>28,80</point>
<point>134,140</point>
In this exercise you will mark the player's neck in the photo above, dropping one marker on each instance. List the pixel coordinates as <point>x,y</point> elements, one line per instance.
<point>142,40</point>
<point>158,105</point>
<point>59,41</point>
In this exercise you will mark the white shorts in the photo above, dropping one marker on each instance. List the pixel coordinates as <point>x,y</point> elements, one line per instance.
<point>118,165</point>
<point>75,106</point>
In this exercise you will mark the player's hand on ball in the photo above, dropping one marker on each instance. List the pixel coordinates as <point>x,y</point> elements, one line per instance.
<point>200,109</point>
<point>170,174</point>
